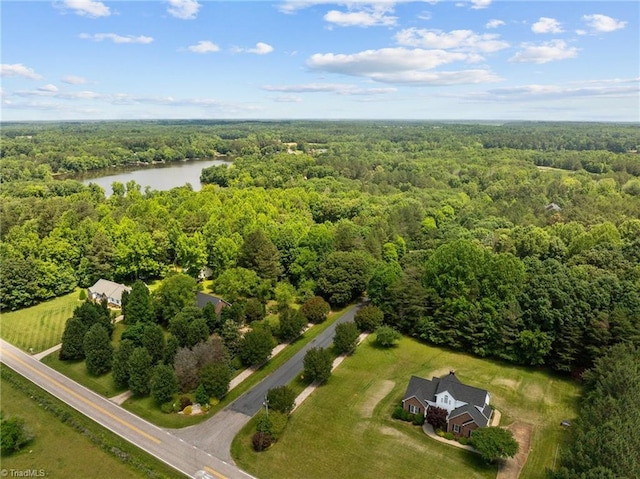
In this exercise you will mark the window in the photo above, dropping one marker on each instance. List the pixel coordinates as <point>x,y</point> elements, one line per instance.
<point>413,409</point>
<point>446,399</point>
<point>456,428</point>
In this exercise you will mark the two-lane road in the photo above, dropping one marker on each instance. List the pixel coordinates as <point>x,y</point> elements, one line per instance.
<point>165,446</point>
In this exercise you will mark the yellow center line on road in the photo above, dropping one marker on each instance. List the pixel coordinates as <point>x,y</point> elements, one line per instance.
<point>83,399</point>
<point>214,472</point>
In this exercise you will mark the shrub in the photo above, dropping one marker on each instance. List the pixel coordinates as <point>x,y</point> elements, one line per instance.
<point>83,295</point>
<point>202,397</point>
<point>463,440</point>
<point>368,318</point>
<point>400,413</point>
<point>188,410</point>
<point>437,417</point>
<point>386,336</point>
<point>418,419</point>
<point>278,423</point>
<point>449,435</point>
<point>15,434</point>
<point>264,423</point>
<point>440,432</point>
<point>315,309</point>
<point>261,441</point>
<point>167,407</point>
<point>281,399</point>
<point>184,402</point>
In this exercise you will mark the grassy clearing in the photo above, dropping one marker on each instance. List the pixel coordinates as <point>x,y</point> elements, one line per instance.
<point>80,456</point>
<point>38,327</point>
<point>345,427</point>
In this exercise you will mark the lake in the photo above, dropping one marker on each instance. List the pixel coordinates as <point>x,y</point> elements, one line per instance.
<point>162,176</point>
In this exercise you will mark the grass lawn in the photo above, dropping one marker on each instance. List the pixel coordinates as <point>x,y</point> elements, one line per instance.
<point>344,429</point>
<point>77,370</point>
<point>39,327</point>
<point>61,451</point>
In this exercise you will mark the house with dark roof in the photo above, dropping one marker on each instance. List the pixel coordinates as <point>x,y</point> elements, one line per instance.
<point>202,299</point>
<point>108,290</point>
<point>467,406</point>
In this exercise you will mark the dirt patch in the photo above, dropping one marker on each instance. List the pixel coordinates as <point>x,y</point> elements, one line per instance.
<point>511,468</point>
<point>378,392</point>
<point>438,373</point>
<point>510,383</point>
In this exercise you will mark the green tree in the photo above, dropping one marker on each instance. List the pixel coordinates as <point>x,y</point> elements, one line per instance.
<point>140,368</point>
<point>120,365</point>
<point>386,336</point>
<point>291,324</point>
<point>494,443</point>
<point>256,346</point>
<point>98,350</point>
<point>369,318</point>
<point>14,433</point>
<point>215,379</point>
<point>153,340</point>
<point>164,384</point>
<point>138,305</point>
<point>344,276</point>
<point>186,367</point>
<point>282,399</point>
<point>254,310</point>
<point>197,332</point>
<point>315,309</point>
<point>317,365</point>
<point>174,294</point>
<point>73,339</point>
<point>259,254</point>
<point>346,338</point>
<point>201,395</point>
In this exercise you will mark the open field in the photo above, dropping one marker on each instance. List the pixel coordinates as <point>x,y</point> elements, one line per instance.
<point>80,456</point>
<point>39,327</point>
<point>345,428</point>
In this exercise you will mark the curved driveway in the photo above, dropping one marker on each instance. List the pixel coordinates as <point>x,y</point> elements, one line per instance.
<point>215,435</point>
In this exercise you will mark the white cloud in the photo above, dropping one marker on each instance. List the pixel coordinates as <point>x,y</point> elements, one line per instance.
<point>287,99</point>
<point>535,92</point>
<point>87,8</point>
<point>49,88</point>
<point>18,70</point>
<point>74,80</point>
<point>183,9</point>
<point>546,52</point>
<point>602,23</point>
<point>115,38</point>
<point>364,17</point>
<point>384,60</point>
<point>261,48</point>
<point>204,46</point>
<point>292,6</point>
<point>462,40</point>
<point>339,88</point>
<point>547,25</point>
<point>439,78</point>
<point>478,4</point>
<point>494,23</point>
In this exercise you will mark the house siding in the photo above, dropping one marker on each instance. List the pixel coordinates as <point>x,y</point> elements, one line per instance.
<point>407,403</point>
<point>465,429</point>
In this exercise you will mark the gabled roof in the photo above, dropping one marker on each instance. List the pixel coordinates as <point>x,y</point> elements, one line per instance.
<point>422,389</point>
<point>479,416</point>
<point>109,289</point>
<point>202,299</point>
<point>461,392</point>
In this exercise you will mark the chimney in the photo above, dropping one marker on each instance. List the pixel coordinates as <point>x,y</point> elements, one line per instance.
<point>452,372</point>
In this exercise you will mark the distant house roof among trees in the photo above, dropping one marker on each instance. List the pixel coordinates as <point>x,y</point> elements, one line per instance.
<point>202,299</point>
<point>553,207</point>
<point>105,289</point>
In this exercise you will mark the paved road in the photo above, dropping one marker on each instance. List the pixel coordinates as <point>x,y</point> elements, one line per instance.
<point>160,443</point>
<point>215,435</point>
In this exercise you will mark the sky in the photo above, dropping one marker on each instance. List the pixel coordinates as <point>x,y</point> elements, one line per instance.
<point>313,59</point>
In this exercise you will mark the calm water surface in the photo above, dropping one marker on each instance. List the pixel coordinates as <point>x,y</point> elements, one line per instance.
<point>157,177</point>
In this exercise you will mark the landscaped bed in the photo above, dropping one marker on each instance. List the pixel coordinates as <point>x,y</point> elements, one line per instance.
<point>345,428</point>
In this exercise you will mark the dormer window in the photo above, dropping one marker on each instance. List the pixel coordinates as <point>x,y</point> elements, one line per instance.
<point>446,399</point>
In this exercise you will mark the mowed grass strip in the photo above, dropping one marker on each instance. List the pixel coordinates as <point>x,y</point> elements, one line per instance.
<point>59,450</point>
<point>345,429</point>
<point>39,327</point>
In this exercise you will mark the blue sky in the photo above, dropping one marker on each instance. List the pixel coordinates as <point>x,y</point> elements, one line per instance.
<point>474,60</point>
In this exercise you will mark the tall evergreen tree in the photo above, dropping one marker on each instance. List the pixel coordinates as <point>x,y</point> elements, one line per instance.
<point>98,350</point>
<point>138,307</point>
<point>259,254</point>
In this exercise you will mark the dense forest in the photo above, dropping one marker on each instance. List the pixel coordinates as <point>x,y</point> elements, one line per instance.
<point>519,241</point>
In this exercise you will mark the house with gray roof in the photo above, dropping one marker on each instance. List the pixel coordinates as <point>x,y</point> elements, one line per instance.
<point>467,406</point>
<point>202,299</point>
<point>108,290</point>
